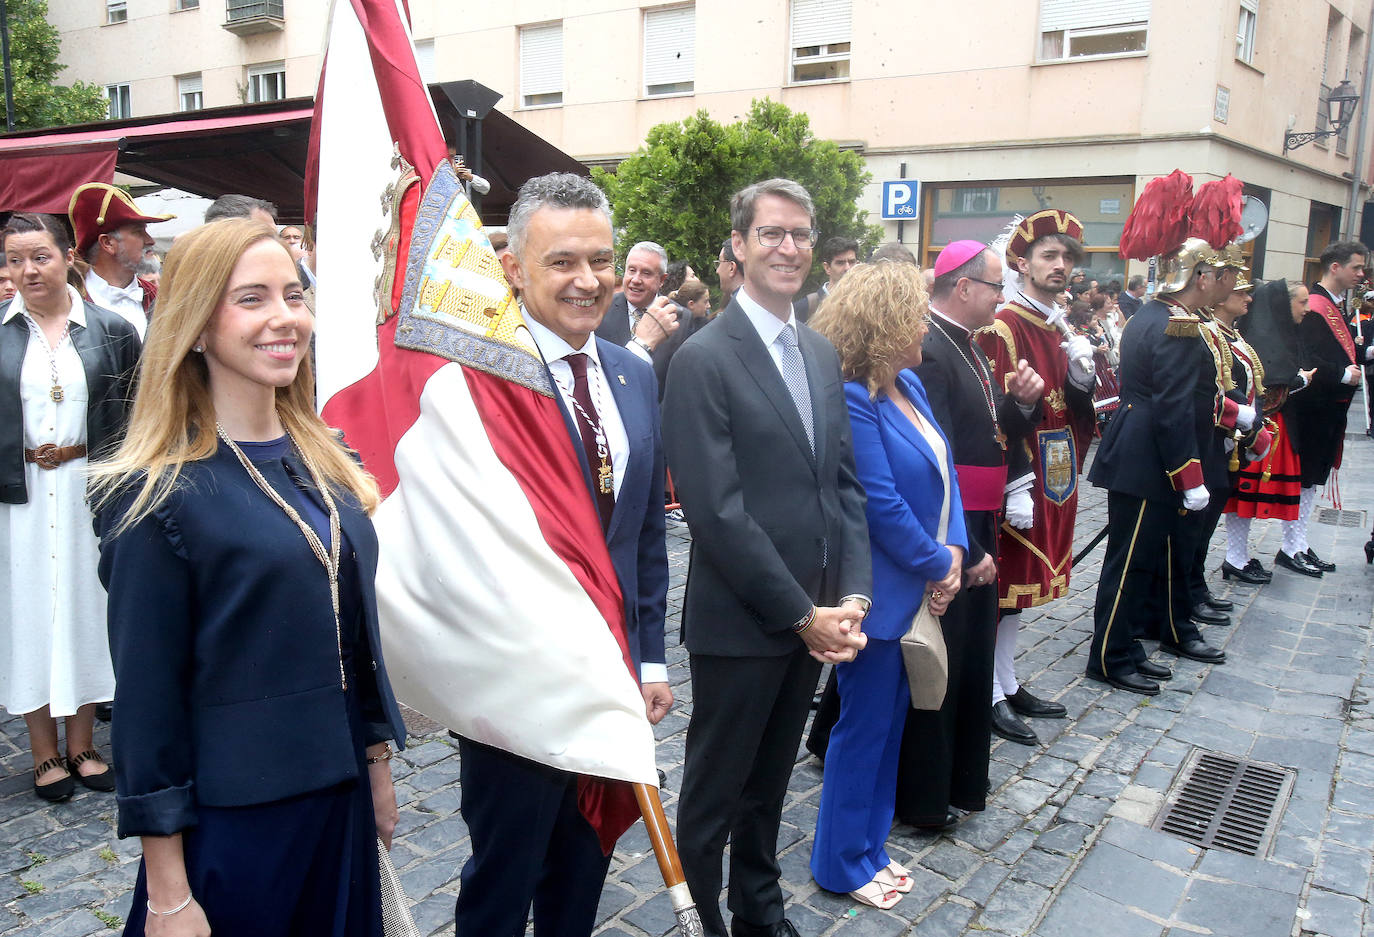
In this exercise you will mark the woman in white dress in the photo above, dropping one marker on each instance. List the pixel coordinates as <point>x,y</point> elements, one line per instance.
<point>65,373</point>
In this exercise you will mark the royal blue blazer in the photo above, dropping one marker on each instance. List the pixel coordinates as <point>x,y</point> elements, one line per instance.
<point>902,480</point>
<point>227,670</point>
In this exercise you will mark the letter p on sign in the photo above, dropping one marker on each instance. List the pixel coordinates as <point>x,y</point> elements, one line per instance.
<point>900,199</point>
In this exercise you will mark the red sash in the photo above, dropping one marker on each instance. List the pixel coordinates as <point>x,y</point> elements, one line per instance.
<point>1328,310</point>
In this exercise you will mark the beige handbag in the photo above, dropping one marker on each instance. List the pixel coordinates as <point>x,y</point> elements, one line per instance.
<point>923,646</point>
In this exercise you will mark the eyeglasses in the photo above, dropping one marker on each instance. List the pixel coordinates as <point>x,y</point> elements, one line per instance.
<point>997,287</point>
<point>772,236</point>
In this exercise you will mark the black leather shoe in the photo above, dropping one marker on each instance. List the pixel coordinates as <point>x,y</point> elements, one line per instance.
<point>54,791</point>
<point>1027,705</point>
<point>1251,572</point>
<point>1318,562</point>
<point>1133,682</point>
<point>1297,564</point>
<point>742,928</point>
<point>1005,724</point>
<point>1148,668</point>
<point>1221,605</point>
<point>1369,552</point>
<point>950,821</point>
<point>1209,616</point>
<point>1198,650</point>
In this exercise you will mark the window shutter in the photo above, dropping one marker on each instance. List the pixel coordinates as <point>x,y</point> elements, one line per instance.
<point>819,22</point>
<point>1091,14</point>
<point>191,84</point>
<point>541,59</point>
<point>424,58</point>
<point>669,46</point>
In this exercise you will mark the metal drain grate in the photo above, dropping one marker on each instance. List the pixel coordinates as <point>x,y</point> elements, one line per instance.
<point>1340,518</point>
<point>1224,802</point>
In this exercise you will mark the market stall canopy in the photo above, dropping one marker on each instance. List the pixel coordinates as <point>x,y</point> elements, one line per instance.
<point>255,149</point>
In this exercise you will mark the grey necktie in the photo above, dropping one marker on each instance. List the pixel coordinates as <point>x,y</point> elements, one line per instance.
<point>794,375</point>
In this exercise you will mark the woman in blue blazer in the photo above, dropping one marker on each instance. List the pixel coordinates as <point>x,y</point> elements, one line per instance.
<point>876,318</point>
<point>253,708</point>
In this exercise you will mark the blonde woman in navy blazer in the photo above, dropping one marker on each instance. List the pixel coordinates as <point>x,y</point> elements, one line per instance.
<point>254,714</point>
<point>876,318</point>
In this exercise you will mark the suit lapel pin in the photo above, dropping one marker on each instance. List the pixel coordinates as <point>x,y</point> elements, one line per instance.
<point>622,379</point>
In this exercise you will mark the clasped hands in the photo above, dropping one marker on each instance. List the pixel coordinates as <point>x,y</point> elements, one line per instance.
<point>835,635</point>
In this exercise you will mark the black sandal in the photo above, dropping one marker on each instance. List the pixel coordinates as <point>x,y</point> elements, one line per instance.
<point>104,781</point>
<point>53,791</point>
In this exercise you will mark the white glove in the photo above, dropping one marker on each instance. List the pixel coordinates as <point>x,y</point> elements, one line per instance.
<point>1195,499</point>
<point>1352,376</point>
<point>1245,417</point>
<point>1228,444</point>
<point>1082,371</point>
<point>1020,509</point>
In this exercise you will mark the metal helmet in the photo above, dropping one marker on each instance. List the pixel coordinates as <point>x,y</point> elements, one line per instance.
<point>1176,267</point>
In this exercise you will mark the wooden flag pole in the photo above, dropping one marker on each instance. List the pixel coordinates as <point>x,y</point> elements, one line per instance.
<point>688,921</point>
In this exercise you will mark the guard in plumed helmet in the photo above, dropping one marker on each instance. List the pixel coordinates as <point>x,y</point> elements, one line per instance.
<point>1162,446</point>
<point>1036,540</point>
<point>111,236</point>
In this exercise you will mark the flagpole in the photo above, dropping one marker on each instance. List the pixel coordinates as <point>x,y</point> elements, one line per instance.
<point>684,908</point>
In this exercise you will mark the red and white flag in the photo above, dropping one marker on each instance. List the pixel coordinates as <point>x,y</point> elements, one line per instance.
<point>501,615</point>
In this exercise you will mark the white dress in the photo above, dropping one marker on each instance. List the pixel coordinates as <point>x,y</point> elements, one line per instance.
<point>54,649</point>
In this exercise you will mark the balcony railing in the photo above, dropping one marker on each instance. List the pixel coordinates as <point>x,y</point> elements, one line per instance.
<point>249,17</point>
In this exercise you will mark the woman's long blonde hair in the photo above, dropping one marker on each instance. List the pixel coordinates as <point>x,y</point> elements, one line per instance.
<point>872,317</point>
<point>173,420</point>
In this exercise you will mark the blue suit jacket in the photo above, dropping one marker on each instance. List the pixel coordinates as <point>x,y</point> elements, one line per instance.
<point>902,480</point>
<point>635,539</point>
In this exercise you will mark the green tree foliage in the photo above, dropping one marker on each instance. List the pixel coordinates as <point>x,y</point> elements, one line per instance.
<point>38,100</point>
<point>676,190</point>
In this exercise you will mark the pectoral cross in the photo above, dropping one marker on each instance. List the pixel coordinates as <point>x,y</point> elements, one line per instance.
<point>605,480</point>
<point>1000,436</point>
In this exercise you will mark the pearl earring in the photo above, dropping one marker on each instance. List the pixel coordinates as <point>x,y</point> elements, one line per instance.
<point>198,349</point>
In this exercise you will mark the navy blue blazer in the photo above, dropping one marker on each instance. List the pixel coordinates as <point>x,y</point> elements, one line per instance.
<point>902,479</point>
<point>227,669</point>
<point>636,538</point>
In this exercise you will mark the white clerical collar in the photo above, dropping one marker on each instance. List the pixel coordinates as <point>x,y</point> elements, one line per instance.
<point>552,346</point>
<point>946,320</point>
<point>77,315</point>
<point>765,323</point>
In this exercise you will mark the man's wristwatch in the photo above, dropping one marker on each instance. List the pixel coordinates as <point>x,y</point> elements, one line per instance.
<point>642,344</point>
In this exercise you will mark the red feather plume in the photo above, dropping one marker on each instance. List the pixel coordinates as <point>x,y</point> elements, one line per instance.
<point>1159,221</point>
<point>1215,215</point>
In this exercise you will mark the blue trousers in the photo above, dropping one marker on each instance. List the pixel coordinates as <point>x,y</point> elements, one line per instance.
<point>530,846</point>
<point>860,790</point>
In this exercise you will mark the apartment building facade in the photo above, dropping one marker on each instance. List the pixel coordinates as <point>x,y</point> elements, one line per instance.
<point>987,109</point>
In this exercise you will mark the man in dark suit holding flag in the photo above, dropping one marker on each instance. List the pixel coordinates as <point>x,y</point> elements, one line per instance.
<point>531,836</point>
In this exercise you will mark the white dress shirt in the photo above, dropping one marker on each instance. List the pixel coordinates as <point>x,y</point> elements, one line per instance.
<point>633,346</point>
<point>767,325</point>
<point>555,352</point>
<point>127,301</point>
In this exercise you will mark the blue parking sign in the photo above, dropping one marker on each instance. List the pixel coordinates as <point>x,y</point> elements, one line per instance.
<point>901,199</point>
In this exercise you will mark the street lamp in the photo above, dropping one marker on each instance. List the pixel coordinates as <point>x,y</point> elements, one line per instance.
<point>1340,108</point>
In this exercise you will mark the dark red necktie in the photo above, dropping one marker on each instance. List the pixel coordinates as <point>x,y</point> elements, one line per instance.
<point>588,422</point>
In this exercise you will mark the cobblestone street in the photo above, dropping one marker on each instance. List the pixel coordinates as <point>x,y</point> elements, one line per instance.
<point>1065,847</point>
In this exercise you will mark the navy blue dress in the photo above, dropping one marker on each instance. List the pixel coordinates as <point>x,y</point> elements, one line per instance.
<point>305,864</point>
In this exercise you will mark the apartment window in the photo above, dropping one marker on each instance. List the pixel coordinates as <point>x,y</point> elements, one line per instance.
<point>1073,29</point>
<point>1245,31</point>
<point>669,51</point>
<point>541,65</point>
<point>424,58</point>
<point>190,93</point>
<point>119,101</point>
<point>820,40</point>
<point>267,82</point>
<point>975,201</point>
<point>116,11</point>
<point>187,4</point>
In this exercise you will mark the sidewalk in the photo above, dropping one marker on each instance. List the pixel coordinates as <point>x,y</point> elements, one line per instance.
<point>1064,848</point>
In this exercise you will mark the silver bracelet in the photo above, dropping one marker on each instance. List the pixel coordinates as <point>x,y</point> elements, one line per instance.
<point>181,907</point>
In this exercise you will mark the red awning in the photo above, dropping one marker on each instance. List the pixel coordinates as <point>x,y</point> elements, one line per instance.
<point>40,170</point>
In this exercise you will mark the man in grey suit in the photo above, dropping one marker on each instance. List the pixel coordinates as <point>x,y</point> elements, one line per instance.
<point>641,320</point>
<point>757,433</point>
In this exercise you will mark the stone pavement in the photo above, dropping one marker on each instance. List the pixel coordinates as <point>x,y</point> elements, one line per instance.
<point>1064,848</point>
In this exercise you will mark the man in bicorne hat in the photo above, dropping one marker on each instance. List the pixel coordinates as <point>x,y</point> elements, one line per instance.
<point>111,236</point>
<point>1035,559</point>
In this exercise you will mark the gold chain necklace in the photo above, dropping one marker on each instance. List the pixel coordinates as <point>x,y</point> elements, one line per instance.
<point>328,559</point>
